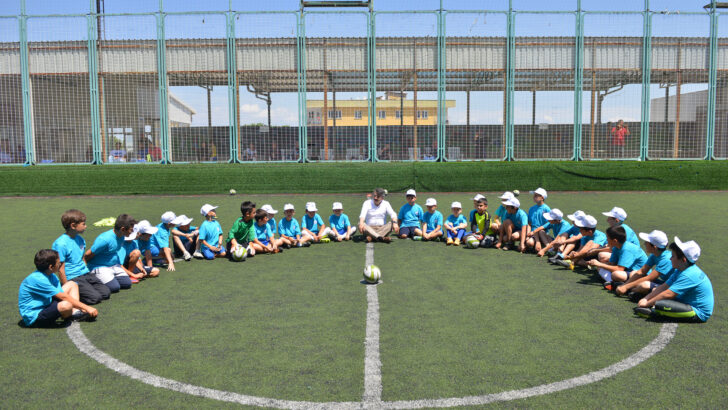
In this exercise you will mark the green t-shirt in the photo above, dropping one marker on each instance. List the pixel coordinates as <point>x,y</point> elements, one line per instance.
<point>242,231</point>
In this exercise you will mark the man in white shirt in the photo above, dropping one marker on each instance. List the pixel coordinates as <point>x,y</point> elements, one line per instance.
<point>374,215</point>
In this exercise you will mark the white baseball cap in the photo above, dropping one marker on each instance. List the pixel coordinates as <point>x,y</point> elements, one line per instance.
<point>168,217</point>
<point>411,192</point>
<point>576,215</point>
<point>657,238</point>
<point>269,209</point>
<point>478,197</point>
<point>431,202</point>
<point>206,209</point>
<point>513,201</point>
<point>140,228</point>
<point>586,221</point>
<point>337,205</point>
<point>456,204</point>
<point>311,207</point>
<point>288,207</point>
<point>554,215</point>
<point>616,213</point>
<point>689,248</point>
<point>541,191</point>
<point>506,195</point>
<point>183,220</point>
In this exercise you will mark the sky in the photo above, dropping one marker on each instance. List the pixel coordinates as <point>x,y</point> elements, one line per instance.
<point>486,107</point>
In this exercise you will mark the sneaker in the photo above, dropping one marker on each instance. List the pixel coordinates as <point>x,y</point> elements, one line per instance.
<point>299,245</point>
<point>198,255</point>
<point>551,252</point>
<point>554,260</point>
<point>457,242</point>
<point>79,316</point>
<point>134,280</point>
<point>325,239</point>
<point>565,263</point>
<point>608,286</point>
<point>634,296</point>
<point>386,239</point>
<point>449,241</point>
<point>416,238</point>
<point>187,256</point>
<point>643,312</point>
<point>615,285</point>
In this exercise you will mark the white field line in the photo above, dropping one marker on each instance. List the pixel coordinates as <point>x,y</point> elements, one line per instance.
<point>372,363</point>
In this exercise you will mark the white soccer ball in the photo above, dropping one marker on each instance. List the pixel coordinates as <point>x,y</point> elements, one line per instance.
<point>233,192</point>
<point>239,253</point>
<point>372,274</point>
<point>472,242</point>
<point>516,192</point>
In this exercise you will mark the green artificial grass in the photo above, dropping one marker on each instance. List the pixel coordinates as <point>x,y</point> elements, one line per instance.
<point>453,321</point>
<point>361,177</point>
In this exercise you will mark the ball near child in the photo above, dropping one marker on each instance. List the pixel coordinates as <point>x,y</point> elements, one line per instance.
<point>516,192</point>
<point>233,192</point>
<point>472,242</point>
<point>239,253</point>
<point>372,274</point>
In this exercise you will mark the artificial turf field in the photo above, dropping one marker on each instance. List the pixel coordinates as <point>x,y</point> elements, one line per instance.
<point>454,322</point>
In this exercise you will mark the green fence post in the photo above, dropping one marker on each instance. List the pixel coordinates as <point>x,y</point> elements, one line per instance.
<point>93,78</point>
<point>163,95</point>
<point>712,83</point>
<point>510,73</point>
<point>578,79</point>
<point>302,109</point>
<point>646,71</point>
<point>441,90</point>
<point>232,89</point>
<point>29,136</point>
<point>372,80</point>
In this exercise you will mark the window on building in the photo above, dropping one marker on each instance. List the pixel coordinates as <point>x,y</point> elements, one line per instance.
<point>311,114</point>
<point>422,114</point>
<point>398,114</point>
<point>357,115</point>
<point>382,115</point>
<point>338,114</point>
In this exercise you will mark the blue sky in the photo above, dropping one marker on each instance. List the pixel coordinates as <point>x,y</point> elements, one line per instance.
<point>552,107</point>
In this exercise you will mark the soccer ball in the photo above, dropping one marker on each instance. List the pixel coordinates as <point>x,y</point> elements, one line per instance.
<point>472,242</point>
<point>239,253</point>
<point>516,192</point>
<point>233,192</point>
<point>372,274</point>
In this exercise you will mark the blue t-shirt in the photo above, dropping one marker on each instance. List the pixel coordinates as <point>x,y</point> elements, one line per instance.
<point>70,251</point>
<point>631,256</point>
<point>662,265</point>
<point>535,215</point>
<point>289,228</point>
<point>573,231</point>
<point>456,220</point>
<point>106,250</point>
<point>210,232</point>
<point>161,238</point>
<point>519,219</point>
<point>127,248</point>
<point>599,238</point>
<point>692,286</point>
<point>432,220</point>
<point>184,239</point>
<point>631,236</point>
<point>501,212</point>
<point>410,216</point>
<point>262,232</point>
<point>36,293</point>
<point>312,224</point>
<point>272,225</point>
<point>339,223</point>
<point>558,228</point>
<point>143,245</point>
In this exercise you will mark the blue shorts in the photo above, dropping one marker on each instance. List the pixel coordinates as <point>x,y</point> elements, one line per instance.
<point>653,285</point>
<point>48,316</point>
<point>147,270</point>
<point>209,254</point>
<point>153,250</point>
<point>408,231</point>
<point>342,231</point>
<point>265,242</point>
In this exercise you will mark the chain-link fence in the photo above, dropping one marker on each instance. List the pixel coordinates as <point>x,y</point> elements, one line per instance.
<point>136,83</point>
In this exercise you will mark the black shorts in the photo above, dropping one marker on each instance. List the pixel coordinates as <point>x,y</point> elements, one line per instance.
<point>408,231</point>
<point>147,270</point>
<point>48,316</point>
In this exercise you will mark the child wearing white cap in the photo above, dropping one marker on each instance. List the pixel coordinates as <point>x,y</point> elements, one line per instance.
<point>341,229</point>
<point>626,258</point>
<point>210,238</point>
<point>264,241</point>
<point>687,295</point>
<point>568,241</point>
<point>536,212</point>
<point>455,224</point>
<point>409,217</point>
<point>539,239</point>
<point>184,238</point>
<point>654,272</point>
<point>591,239</point>
<point>272,224</point>
<point>514,226</point>
<point>289,229</point>
<point>160,240</point>
<point>616,217</point>
<point>312,226</point>
<point>138,250</point>
<point>500,212</point>
<point>431,221</point>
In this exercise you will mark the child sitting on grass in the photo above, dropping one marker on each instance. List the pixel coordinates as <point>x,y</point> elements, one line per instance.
<point>160,240</point>
<point>242,232</point>
<point>455,225</point>
<point>626,257</point>
<point>264,241</point>
<point>103,257</point>
<point>480,223</point>
<point>538,239</point>
<point>514,226</point>
<point>312,226</point>
<point>184,238</point>
<point>591,239</point>
<point>409,217</point>
<point>566,242</point>
<point>654,272</point>
<point>341,229</point>
<point>432,221</point>
<point>289,229</point>
<point>210,238</point>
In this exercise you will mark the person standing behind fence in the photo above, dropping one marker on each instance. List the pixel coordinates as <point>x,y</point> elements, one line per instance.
<point>619,134</point>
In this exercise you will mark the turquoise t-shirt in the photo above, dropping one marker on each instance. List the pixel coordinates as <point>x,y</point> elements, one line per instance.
<point>432,220</point>
<point>127,248</point>
<point>599,238</point>
<point>184,239</point>
<point>631,236</point>
<point>106,250</point>
<point>410,216</point>
<point>312,224</point>
<point>161,238</point>
<point>340,223</point>
<point>36,293</point>
<point>272,224</point>
<point>519,219</point>
<point>262,232</point>
<point>535,215</point>
<point>143,245</point>
<point>631,256</point>
<point>573,231</point>
<point>210,232</point>
<point>456,220</point>
<point>559,228</point>
<point>289,228</point>
<point>501,212</point>
<point>662,265</point>
<point>70,251</point>
<point>692,286</point>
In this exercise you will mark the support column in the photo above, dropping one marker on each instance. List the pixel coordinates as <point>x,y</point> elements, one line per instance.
<point>325,113</point>
<point>91,44</point>
<point>578,80</point>
<point>414,102</point>
<point>646,71</point>
<point>712,83</point>
<point>233,89</point>
<point>593,106</point>
<point>510,87</point>
<point>163,93</point>
<point>26,88</point>
<point>676,138</point>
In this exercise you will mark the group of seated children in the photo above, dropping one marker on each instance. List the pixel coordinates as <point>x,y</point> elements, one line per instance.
<point>69,278</point>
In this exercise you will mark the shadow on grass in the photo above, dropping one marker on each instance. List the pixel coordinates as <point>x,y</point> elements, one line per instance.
<point>57,325</point>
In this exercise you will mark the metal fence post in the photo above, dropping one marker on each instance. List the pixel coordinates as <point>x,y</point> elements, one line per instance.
<point>28,133</point>
<point>646,71</point>
<point>93,77</point>
<point>163,94</point>
<point>372,85</point>
<point>510,74</point>
<point>301,68</point>
<point>578,79</point>
<point>232,89</point>
<point>441,88</point>
<point>712,82</point>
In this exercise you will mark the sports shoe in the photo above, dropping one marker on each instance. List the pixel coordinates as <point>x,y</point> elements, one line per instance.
<point>551,252</point>
<point>554,260</point>
<point>634,296</point>
<point>449,241</point>
<point>325,239</point>
<point>133,280</point>
<point>607,285</point>
<point>456,242</point>
<point>416,238</point>
<point>79,316</point>
<point>187,256</point>
<point>386,239</point>
<point>299,245</point>
<point>198,255</point>
<point>615,285</point>
<point>643,312</point>
<point>566,263</point>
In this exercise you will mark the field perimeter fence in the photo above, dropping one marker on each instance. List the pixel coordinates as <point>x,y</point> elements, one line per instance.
<point>363,84</point>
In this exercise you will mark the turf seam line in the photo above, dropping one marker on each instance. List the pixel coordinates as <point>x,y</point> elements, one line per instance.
<point>372,363</point>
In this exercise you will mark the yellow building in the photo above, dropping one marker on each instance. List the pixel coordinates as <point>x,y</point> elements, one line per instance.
<point>389,111</point>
